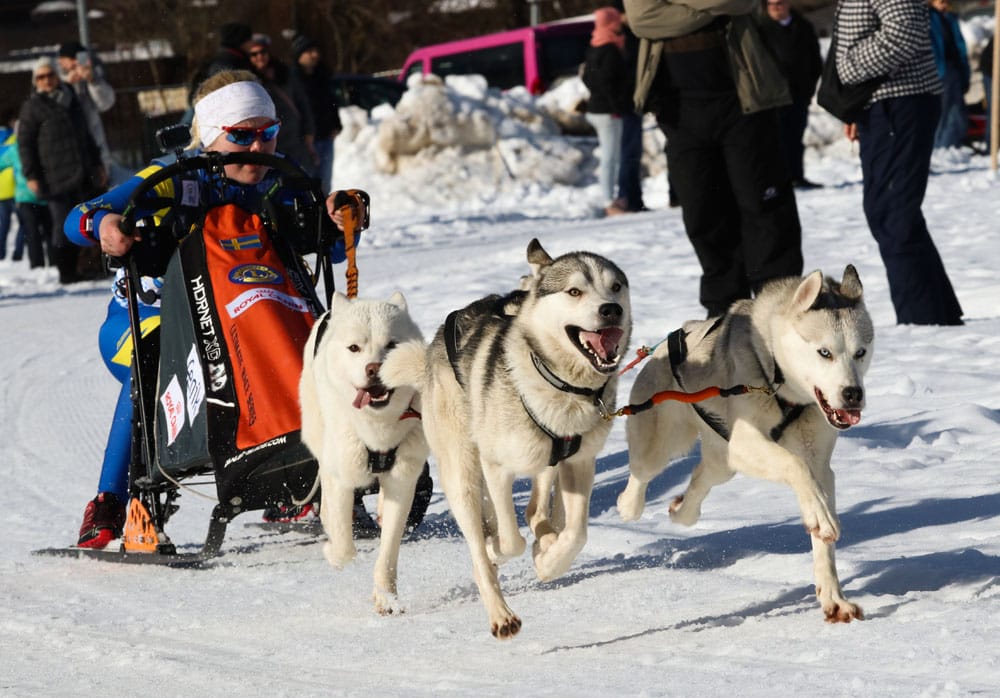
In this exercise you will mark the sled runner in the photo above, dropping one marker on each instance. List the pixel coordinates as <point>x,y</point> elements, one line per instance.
<point>215,387</point>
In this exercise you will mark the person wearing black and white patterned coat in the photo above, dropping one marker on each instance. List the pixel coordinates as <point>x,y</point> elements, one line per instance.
<point>891,39</point>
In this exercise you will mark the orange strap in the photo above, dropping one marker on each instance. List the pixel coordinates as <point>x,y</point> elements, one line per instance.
<point>698,396</point>
<point>640,354</point>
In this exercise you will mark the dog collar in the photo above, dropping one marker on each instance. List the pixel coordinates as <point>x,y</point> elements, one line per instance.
<point>558,383</point>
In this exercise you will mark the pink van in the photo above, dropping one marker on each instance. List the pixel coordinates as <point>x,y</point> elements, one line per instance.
<point>536,57</point>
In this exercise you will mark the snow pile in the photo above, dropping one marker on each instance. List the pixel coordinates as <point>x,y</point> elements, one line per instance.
<point>458,131</point>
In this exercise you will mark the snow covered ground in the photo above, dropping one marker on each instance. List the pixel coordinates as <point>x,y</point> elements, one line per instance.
<point>649,608</point>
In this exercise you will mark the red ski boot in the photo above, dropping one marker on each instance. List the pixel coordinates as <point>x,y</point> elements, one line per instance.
<point>103,520</point>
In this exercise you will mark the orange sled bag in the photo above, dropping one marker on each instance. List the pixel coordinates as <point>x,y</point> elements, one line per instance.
<point>236,312</point>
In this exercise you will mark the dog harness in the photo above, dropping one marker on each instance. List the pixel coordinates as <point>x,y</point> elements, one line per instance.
<point>563,447</point>
<point>382,461</point>
<point>677,352</point>
<point>323,322</point>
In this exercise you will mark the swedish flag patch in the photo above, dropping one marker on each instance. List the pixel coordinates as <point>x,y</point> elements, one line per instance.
<point>243,242</point>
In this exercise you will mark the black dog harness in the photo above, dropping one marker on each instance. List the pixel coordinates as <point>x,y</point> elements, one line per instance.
<point>677,352</point>
<point>563,447</point>
<point>382,461</point>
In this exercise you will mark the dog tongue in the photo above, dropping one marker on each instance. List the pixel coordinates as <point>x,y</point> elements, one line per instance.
<point>361,399</point>
<point>605,342</point>
<point>851,417</point>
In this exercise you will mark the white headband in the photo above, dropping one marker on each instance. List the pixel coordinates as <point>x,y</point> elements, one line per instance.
<point>230,105</point>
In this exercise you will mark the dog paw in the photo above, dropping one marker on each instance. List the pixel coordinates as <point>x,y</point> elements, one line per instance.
<point>543,543</point>
<point>824,526</point>
<point>339,556</point>
<point>684,514</point>
<point>386,602</point>
<point>631,501</point>
<point>507,627</point>
<point>836,608</point>
<point>558,558</point>
<point>842,611</point>
<point>499,553</point>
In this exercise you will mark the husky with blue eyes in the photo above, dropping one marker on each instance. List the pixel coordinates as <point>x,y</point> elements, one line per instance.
<point>807,342</point>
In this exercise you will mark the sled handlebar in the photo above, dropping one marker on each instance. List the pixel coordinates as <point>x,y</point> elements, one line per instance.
<point>359,202</point>
<point>215,163</point>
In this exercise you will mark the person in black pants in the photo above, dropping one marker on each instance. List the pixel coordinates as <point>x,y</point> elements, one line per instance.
<point>792,40</point>
<point>896,131</point>
<point>630,167</point>
<point>714,88</point>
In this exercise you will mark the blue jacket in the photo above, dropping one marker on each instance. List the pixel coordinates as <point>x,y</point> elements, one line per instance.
<point>942,22</point>
<point>84,221</point>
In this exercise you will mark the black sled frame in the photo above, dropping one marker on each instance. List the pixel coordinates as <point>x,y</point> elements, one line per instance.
<point>156,496</point>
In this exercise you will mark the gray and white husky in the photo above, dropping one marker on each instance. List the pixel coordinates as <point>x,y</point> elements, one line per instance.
<point>810,341</point>
<point>519,386</point>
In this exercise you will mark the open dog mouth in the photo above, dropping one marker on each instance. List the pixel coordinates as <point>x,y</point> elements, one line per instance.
<point>838,418</point>
<point>599,346</point>
<point>375,395</point>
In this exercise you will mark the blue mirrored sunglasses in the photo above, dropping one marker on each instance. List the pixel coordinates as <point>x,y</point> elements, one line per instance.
<point>242,135</point>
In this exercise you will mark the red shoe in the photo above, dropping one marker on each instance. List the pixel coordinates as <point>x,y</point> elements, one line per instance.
<point>287,514</point>
<point>103,520</point>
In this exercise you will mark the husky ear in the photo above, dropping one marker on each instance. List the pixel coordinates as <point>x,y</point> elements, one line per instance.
<point>850,286</point>
<point>808,291</point>
<point>338,299</point>
<point>397,300</point>
<point>537,256</point>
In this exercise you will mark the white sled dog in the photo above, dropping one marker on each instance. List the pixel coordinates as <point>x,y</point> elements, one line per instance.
<point>518,386</point>
<point>359,429</point>
<point>810,341</point>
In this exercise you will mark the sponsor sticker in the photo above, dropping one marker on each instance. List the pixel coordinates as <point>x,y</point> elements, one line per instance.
<point>189,194</point>
<point>172,401</point>
<point>255,274</point>
<point>252,296</point>
<point>204,321</point>
<point>195,385</point>
<point>217,377</point>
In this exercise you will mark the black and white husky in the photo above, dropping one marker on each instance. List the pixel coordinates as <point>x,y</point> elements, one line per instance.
<point>809,340</point>
<point>519,386</point>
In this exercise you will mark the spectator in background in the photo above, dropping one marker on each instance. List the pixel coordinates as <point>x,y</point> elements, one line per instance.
<point>296,138</point>
<point>82,70</point>
<point>309,69</point>
<point>986,68</point>
<point>714,87</point>
<point>34,223</point>
<point>605,75</point>
<point>794,45</point>
<point>952,60</point>
<point>891,39</point>
<point>630,169</point>
<point>7,204</point>
<point>232,54</point>
<point>60,159</point>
